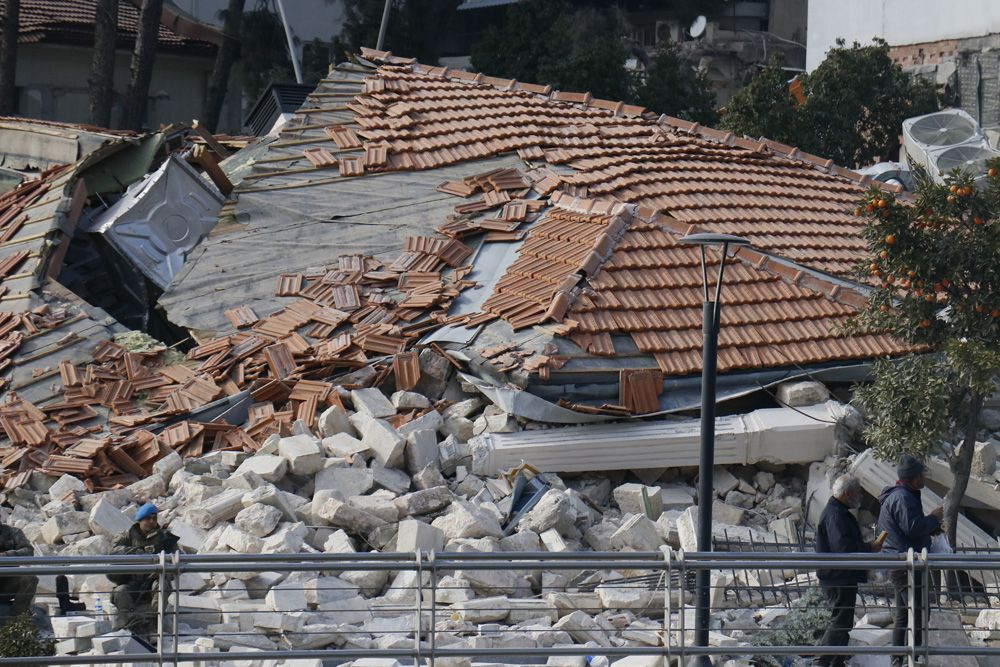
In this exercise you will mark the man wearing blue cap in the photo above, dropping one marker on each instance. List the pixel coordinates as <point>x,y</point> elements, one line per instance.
<point>134,593</point>
<point>902,518</point>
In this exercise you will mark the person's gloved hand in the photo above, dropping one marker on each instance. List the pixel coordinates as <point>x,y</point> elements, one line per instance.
<point>150,549</point>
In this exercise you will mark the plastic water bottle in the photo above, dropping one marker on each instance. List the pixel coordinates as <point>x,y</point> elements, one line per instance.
<point>98,607</point>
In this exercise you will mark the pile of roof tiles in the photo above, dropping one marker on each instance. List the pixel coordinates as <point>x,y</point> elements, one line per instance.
<point>356,313</point>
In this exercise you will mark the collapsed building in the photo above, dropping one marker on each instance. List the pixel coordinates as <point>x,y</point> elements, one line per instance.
<point>425,278</point>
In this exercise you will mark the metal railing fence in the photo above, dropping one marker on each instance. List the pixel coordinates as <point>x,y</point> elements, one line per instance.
<point>645,594</point>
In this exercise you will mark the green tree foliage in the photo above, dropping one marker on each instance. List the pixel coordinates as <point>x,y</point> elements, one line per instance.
<point>765,106</point>
<point>855,102</point>
<point>19,639</point>
<point>265,59</point>
<point>935,266</point>
<point>584,51</point>
<point>415,27</point>
<point>672,86</point>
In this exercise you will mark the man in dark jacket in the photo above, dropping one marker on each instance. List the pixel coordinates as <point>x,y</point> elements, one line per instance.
<point>838,532</point>
<point>902,517</point>
<point>134,594</point>
<point>19,590</point>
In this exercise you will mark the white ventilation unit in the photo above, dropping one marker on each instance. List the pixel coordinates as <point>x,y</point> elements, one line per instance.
<point>946,140</point>
<point>161,218</point>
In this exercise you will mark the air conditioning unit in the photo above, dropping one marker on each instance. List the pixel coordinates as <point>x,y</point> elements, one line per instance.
<point>942,141</point>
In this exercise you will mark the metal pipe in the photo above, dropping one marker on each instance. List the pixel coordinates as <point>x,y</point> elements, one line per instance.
<point>706,487</point>
<point>292,54</point>
<point>382,26</point>
<point>352,654</point>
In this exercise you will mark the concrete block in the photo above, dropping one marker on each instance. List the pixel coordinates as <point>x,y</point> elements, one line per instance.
<point>372,402</point>
<point>630,501</point>
<point>258,519</point>
<point>424,502</point>
<point>638,534</point>
<point>303,454</point>
<point>421,449</point>
<point>345,481</point>
<point>386,444</point>
<point>412,535</point>
<point>334,421</point>
<point>106,519</point>
<point>798,394</point>
<point>64,486</point>
<point>270,467</point>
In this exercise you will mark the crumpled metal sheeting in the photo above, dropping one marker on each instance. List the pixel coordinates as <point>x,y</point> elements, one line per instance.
<point>289,230</point>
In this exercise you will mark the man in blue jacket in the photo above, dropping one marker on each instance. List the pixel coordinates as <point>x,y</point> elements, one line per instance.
<point>838,532</point>
<point>902,517</point>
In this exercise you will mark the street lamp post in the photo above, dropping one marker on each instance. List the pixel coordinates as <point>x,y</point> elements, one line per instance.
<point>711,312</point>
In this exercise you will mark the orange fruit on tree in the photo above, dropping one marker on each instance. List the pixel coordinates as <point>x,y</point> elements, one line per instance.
<point>924,324</point>
<point>945,282</point>
<point>992,173</point>
<point>882,203</point>
<point>928,298</point>
<point>978,220</point>
<point>884,254</point>
<point>995,313</point>
<point>951,199</point>
<point>911,273</point>
<point>890,239</point>
<point>953,189</point>
<point>884,308</point>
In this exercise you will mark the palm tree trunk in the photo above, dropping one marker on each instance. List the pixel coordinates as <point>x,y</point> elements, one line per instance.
<point>142,64</point>
<point>102,71</point>
<point>228,54</point>
<point>961,468</point>
<point>8,56</point>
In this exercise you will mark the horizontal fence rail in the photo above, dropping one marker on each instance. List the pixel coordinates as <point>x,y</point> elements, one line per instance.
<point>655,589</point>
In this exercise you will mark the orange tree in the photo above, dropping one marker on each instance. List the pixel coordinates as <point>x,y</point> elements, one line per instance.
<point>935,272</point>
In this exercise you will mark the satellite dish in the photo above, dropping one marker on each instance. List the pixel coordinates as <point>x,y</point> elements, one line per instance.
<point>698,27</point>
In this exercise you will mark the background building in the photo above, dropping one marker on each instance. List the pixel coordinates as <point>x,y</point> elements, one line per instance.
<point>55,50</point>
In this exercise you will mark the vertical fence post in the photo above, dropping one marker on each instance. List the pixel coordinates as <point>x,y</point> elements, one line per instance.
<point>433,629</point>
<point>925,611</point>
<point>667,603</point>
<point>911,595</point>
<point>683,615</point>
<point>161,596</point>
<point>177,593</point>
<point>420,607</point>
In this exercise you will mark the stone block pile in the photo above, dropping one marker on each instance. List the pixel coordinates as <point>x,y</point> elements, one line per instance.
<point>364,480</point>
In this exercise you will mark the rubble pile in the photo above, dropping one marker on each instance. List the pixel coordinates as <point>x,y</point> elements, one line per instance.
<point>377,472</point>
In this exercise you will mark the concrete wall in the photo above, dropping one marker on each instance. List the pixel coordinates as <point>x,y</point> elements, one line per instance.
<point>53,86</point>
<point>896,21</point>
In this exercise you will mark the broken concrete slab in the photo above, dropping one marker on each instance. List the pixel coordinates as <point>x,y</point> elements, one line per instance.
<point>385,442</point>
<point>629,498</point>
<point>303,454</point>
<point>786,435</point>
<point>372,402</point>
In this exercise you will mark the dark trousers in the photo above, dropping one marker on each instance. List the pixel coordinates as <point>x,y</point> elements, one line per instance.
<point>902,621</point>
<point>135,603</point>
<point>19,592</point>
<point>841,601</point>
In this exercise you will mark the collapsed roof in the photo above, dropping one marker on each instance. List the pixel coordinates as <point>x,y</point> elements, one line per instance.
<point>524,235</point>
<point>573,207</point>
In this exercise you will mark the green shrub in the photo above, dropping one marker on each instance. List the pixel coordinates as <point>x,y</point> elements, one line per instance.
<point>19,638</point>
<point>802,626</point>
